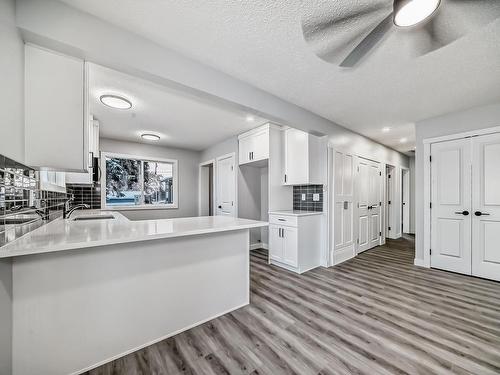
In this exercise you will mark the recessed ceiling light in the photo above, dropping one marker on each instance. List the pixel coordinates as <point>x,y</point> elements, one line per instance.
<point>150,137</point>
<point>250,118</point>
<point>410,12</point>
<point>115,101</point>
<point>403,140</point>
<point>386,129</point>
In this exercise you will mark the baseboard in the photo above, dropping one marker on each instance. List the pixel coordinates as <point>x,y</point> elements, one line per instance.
<point>157,340</point>
<point>265,246</point>
<point>420,263</point>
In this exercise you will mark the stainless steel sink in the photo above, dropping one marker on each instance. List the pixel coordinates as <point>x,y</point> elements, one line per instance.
<point>93,217</point>
<point>19,220</point>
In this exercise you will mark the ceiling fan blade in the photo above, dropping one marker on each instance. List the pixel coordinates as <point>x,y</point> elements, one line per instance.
<point>332,33</point>
<point>455,19</point>
<point>316,27</point>
<point>368,43</point>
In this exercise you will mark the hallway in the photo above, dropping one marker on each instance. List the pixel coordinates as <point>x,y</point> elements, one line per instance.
<point>375,314</point>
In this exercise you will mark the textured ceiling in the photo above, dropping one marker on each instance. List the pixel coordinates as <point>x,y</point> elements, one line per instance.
<point>261,42</point>
<point>180,119</point>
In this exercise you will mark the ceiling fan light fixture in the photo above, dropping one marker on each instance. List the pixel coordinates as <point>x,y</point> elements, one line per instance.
<point>411,12</point>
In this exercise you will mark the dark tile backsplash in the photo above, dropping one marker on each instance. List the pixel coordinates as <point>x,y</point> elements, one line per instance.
<point>85,194</point>
<point>308,204</point>
<point>23,206</point>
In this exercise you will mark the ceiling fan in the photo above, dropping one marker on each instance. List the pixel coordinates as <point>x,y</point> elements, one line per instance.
<point>343,32</point>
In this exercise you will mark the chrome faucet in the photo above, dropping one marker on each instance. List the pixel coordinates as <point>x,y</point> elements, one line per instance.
<point>67,214</point>
<point>67,211</point>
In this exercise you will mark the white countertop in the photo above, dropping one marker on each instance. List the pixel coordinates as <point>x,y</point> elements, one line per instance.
<point>60,234</point>
<point>295,213</point>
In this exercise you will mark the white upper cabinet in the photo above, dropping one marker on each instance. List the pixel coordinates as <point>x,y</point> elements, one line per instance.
<point>301,164</point>
<point>254,145</point>
<point>55,106</point>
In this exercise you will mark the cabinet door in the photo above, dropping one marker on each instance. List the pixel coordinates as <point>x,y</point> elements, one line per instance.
<point>290,246</point>
<point>260,145</point>
<point>296,157</point>
<point>245,147</point>
<point>275,243</point>
<point>54,109</point>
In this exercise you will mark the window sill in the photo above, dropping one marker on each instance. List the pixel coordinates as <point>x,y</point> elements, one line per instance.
<point>143,207</point>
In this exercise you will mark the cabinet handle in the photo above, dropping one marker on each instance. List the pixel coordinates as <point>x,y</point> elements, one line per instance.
<point>285,178</point>
<point>91,153</point>
<point>281,219</point>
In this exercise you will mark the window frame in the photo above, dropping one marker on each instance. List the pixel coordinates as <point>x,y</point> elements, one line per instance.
<point>142,159</point>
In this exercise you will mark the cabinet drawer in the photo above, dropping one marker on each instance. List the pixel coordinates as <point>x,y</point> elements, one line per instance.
<point>286,220</point>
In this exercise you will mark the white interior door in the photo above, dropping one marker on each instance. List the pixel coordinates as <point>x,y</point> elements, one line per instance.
<point>486,206</point>
<point>451,206</point>
<point>369,187</point>
<point>375,204</point>
<point>343,200</point>
<point>226,186</point>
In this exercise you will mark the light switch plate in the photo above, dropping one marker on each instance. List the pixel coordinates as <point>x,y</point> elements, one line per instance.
<point>316,197</point>
<point>303,197</point>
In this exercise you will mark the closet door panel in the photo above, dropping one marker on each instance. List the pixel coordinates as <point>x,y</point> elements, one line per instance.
<point>486,206</point>
<point>451,196</point>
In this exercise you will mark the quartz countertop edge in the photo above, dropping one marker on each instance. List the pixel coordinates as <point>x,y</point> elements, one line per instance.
<point>63,235</point>
<point>295,213</point>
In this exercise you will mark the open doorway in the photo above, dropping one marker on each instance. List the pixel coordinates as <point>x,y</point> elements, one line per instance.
<point>207,189</point>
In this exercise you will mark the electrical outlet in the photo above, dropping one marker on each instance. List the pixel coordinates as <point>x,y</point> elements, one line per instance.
<point>316,197</point>
<point>303,197</point>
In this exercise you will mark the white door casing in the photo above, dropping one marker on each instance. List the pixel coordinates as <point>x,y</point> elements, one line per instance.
<point>451,206</point>
<point>486,206</point>
<point>369,181</point>
<point>226,186</point>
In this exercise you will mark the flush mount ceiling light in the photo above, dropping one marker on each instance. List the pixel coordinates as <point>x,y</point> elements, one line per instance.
<point>115,101</point>
<point>150,137</point>
<point>403,140</point>
<point>250,118</point>
<point>386,129</point>
<point>411,12</point>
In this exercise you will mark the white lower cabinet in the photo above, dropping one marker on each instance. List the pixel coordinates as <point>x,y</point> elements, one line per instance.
<point>295,241</point>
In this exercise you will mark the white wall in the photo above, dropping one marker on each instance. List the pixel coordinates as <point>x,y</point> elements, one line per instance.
<point>457,122</point>
<point>11,84</point>
<point>188,176</point>
<point>249,194</point>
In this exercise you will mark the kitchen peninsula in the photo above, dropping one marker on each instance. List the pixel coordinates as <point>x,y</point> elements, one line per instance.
<point>77,283</point>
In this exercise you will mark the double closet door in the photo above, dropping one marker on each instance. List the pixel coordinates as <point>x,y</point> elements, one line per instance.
<point>465,211</point>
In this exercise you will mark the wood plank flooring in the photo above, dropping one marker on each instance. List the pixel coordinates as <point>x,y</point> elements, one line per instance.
<point>375,314</point>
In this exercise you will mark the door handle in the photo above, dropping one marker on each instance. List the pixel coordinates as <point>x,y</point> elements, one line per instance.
<point>465,213</point>
<point>479,213</point>
<point>220,207</point>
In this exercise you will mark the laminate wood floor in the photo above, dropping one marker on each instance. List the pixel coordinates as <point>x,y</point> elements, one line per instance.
<point>375,314</point>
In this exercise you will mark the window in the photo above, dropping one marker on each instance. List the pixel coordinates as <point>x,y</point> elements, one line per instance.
<point>135,182</point>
